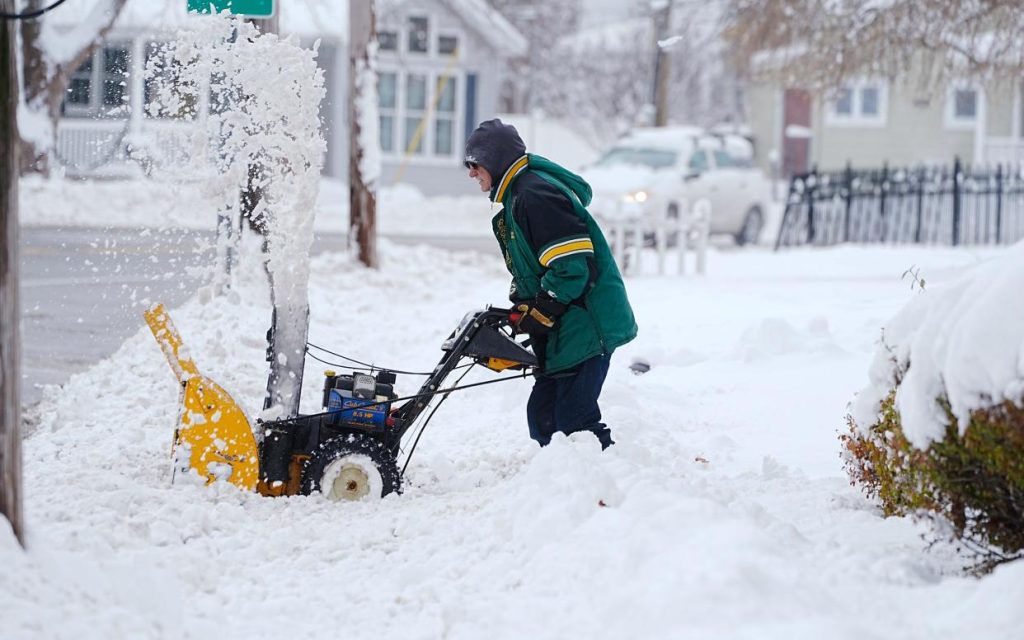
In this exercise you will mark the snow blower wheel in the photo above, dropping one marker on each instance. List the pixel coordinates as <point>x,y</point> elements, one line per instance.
<point>351,467</point>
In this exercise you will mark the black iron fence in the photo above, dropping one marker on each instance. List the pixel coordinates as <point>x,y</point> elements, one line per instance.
<point>922,205</point>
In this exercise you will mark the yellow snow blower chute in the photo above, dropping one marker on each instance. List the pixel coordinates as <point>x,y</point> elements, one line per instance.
<point>213,435</point>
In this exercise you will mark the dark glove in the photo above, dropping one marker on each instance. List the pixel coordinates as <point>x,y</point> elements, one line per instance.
<point>539,317</point>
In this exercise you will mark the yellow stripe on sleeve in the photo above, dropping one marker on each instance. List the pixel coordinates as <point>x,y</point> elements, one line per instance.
<point>566,248</point>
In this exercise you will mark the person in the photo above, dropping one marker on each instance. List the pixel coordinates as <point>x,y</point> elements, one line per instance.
<point>567,292</point>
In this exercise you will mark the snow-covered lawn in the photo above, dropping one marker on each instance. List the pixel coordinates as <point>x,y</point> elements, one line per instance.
<point>722,512</point>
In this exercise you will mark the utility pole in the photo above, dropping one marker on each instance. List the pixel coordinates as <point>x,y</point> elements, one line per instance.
<point>361,197</point>
<point>662,62</point>
<point>10,309</point>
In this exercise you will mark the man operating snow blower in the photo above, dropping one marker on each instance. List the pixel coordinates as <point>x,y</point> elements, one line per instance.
<point>568,293</point>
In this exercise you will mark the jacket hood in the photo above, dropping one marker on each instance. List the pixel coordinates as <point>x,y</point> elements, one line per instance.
<point>494,146</point>
<point>573,182</point>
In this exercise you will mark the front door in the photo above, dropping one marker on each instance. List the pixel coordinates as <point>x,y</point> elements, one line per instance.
<point>796,127</point>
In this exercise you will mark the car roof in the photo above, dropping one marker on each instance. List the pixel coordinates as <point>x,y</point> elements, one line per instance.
<point>685,138</point>
<point>675,138</point>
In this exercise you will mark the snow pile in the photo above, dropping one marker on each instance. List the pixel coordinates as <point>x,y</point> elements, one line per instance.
<point>964,340</point>
<point>720,513</point>
<point>774,337</point>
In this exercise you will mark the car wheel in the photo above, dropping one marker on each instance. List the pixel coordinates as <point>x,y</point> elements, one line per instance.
<point>753,224</point>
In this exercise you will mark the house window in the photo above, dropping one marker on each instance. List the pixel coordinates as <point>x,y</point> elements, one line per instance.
<point>164,93</point>
<point>415,110</point>
<point>387,97</point>
<point>387,40</point>
<point>962,106</point>
<point>99,86</point>
<point>418,40</point>
<point>844,103</point>
<point>419,113</point>
<point>80,87</point>
<point>447,45</point>
<point>444,123</point>
<point>861,104</point>
<point>115,77</point>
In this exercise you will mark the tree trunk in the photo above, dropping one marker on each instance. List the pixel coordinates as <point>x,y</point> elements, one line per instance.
<point>46,81</point>
<point>362,199</point>
<point>661,66</point>
<point>10,310</point>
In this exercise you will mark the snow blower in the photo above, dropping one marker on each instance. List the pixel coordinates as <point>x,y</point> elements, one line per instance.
<point>350,450</point>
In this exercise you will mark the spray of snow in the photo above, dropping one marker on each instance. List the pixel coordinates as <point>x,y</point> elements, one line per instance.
<point>262,134</point>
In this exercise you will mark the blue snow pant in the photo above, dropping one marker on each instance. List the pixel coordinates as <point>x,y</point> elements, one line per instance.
<point>567,402</point>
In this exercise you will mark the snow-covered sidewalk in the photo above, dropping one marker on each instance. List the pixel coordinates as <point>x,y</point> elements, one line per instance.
<point>722,512</point>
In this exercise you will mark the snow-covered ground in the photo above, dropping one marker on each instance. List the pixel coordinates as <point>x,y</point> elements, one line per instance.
<point>722,512</point>
<point>145,203</point>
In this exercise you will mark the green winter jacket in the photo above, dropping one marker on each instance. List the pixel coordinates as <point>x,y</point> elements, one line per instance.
<point>574,265</point>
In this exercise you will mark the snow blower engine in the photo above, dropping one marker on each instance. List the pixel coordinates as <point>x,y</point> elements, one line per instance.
<point>347,452</point>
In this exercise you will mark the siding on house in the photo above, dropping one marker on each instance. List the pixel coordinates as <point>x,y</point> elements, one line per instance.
<point>915,128</point>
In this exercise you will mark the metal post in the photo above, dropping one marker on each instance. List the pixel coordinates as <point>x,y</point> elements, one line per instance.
<point>785,214</point>
<point>999,203</point>
<point>883,191</point>
<point>849,202</point>
<point>808,194</point>
<point>10,307</point>
<point>920,205</point>
<point>956,201</point>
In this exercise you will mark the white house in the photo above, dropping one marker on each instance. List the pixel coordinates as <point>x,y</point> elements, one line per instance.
<point>872,121</point>
<point>440,65</point>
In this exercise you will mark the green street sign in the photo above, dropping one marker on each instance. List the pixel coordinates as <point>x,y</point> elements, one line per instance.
<point>247,8</point>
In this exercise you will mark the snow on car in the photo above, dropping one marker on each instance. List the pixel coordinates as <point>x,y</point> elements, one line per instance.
<point>658,173</point>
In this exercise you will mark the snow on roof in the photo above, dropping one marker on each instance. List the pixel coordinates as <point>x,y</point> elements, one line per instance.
<point>679,137</point>
<point>306,18</point>
<point>493,28</point>
<point>496,30</point>
<point>309,18</point>
<point>617,36</point>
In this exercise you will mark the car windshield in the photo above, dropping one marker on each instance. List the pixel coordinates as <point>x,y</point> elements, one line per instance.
<point>635,156</point>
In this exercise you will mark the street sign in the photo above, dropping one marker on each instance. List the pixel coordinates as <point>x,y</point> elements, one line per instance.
<point>246,8</point>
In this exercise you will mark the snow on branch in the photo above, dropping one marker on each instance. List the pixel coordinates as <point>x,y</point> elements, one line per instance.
<point>820,43</point>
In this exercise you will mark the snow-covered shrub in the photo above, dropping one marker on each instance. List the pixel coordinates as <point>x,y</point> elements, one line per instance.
<point>939,432</point>
<point>973,481</point>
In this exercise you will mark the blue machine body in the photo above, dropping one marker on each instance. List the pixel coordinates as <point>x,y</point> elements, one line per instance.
<point>356,411</point>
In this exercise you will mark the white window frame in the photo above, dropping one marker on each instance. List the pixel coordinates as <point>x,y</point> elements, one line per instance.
<point>953,122</point>
<point>857,117</point>
<point>96,109</point>
<point>427,157</point>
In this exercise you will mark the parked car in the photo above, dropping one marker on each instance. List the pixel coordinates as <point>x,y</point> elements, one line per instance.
<point>658,172</point>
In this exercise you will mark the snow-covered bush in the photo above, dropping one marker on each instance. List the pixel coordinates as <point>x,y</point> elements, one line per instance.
<point>940,430</point>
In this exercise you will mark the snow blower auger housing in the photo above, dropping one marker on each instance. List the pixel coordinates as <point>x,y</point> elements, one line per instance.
<point>351,449</point>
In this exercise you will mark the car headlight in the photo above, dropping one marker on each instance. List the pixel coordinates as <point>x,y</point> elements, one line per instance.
<point>636,196</point>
